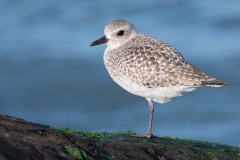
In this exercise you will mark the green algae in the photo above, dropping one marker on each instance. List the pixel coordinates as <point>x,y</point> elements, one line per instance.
<point>77,153</point>
<point>95,135</point>
<point>174,147</point>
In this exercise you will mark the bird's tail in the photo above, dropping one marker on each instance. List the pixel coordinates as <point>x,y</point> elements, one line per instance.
<point>214,83</point>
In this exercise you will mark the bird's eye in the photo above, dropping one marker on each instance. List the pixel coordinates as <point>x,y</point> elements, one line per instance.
<point>120,33</point>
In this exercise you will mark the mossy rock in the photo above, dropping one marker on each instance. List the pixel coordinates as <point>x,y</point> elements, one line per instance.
<point>24,140</point>
<point>122,145</point>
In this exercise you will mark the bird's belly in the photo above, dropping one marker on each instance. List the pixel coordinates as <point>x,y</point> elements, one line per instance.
<point>158,94</point>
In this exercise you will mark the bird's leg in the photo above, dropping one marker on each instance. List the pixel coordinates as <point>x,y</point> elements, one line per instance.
<point>149,133</point>
<point>151,107</point>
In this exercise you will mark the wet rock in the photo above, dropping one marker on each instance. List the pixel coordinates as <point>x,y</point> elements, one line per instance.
<point>22,140</point>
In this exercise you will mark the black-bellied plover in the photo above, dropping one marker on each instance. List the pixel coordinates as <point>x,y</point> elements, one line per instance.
<point>147,67</point>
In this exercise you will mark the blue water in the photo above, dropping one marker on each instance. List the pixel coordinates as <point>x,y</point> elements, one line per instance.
<point>49,74</point>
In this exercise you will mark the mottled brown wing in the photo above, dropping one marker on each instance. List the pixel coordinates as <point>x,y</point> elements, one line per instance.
<point>152,65</point>
<point>160,65</point>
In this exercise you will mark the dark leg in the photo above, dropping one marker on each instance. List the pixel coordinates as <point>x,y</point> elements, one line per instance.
<point>149,133</point>
<point>151,107</point>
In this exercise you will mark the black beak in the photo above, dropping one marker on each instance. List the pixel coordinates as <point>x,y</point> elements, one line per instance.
<point>99,41</point>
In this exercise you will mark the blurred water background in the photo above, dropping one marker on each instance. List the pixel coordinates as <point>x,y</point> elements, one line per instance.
<point>50,75</point>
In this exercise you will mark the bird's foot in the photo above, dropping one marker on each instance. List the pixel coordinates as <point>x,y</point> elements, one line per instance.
<point>148,135</point>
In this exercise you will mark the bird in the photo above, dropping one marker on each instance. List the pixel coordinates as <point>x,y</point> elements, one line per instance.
<point>148,67</point>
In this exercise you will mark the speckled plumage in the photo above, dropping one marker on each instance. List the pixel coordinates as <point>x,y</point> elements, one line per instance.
<point>147,67</point>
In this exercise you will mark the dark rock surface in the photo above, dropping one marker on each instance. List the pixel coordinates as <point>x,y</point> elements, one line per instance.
<point>22,140</point>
